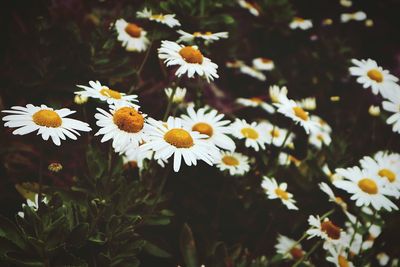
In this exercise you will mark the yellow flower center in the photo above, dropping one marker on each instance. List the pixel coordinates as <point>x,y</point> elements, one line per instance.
<point>198,34</point>
<point>300,113</point>
<point>375,75</point>
<point>158,16</point>
<point>128,119</point>
<point>203,128</point>
<point>275,133</point>
<point>229,160</point>
<point>110,93</point>
<point>330,229</point>
<point>191,55</point>
<point>266,60</point>
<point>281,194</point>
<point>256,100</point>
<point>391,176</point>
<point>249,133</point>
<point>320,137</point>
<point>343,261</point>
<point>298,19</point>
<point>296,253</point>
<point>179,138</point>
<point>368,186</point>
<point>133,30</point>
<point>47,118</point>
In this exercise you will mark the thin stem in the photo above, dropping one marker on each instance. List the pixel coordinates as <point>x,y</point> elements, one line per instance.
<point>305,256</point>
<point>170,102</point>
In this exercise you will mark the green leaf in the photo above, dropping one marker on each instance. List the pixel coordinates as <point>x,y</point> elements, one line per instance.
<point>156,251</point>
<point>188,247</point>
<point>10,231</point>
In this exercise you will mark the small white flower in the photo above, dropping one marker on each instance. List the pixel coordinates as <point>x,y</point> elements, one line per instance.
<point>132,36</point>
<point>179,95</point>
<point>287,159</point>
<point>332,198</point>
<point>289,248</point>
<point>135,154</point>
<point>276,135</point>
<point>275,190</point>
<point>308,103</point>
<point>339,257</point>
<point>252,8</point>
<point>393,105</point>
<point>382,258</point>
<point>208,37</point>
<point>319,138</point>
<point>234,64</point>
<point>332,176</point>
<point>374,111</point>
<point>300,23</point>
<point>275,93</point>
<point>256,102</point>
<point>358,16</point>
<point>167,19</point>
<point>253,72</point>
<point>252,133</point>
<point>263,63</point>
<point>346,3</point>
<point>326,230</point>
<point>235,163</point>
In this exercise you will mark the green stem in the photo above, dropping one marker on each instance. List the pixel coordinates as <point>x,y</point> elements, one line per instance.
<point>305,257</point>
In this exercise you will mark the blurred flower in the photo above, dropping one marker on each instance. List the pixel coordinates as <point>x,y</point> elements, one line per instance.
<point>275,190</point>
<point>275,93</point>
<point>393,105</point>
<point>179,95</point>
<point>253,72</point>
<point>332,198</point>
<point>339,257</point>
<point>47,121</point>
<point>346,3</point>
<point>276,135</point>
<point>346,17</point>
<point>322,124</point>
<point>250,6</point>
<point>132,36</point>
<point>168,19</point>
<point>326,230</point>
<point>308,103</point>
<point>170,138</point>
<point>252,133</point>
<point>104,93</point>
<point>235,163</point>
<point>370,75</point>
<point>289,248</point>
<point>263,63</point>
<point>319,138</point>
<point>335,98</point>
<point>300,23</point>
<point>189,58</point>
<point>256,102</point>
<point>208,37</point>
<point>327,22</point>
<point>366,188</point>
<point>135,155</point>
<point>55,167</point>
<point>287,159</point>
<point>332,176</point>
<point>79,99</point>
<point>210,123</point>
<point>234,64</point>
<point>369,23</point>
<point>374,111</point>
<point>382,258</point>
<point>125,125</point>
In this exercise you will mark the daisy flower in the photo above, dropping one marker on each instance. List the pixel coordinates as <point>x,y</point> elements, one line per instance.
<point>308,103</point>
<point>252,133</point>
<point>370,75</point>
<point>382,258</point>
<point>167,19</point>
<point>275,93</point>
<point>253,72</point>
<point>393,105</point>
<point>47,121</point>
<point>132,36</point>
<point>319,138</point>
<point>300,23</point>
<point>179,95</point>
<point>275,190</point>
<point>235,163</point>
<point>287,159</point>
<point>358,16</point>
<point>276,135</point>
<point>133,154</point>
<point>332,176</point>
<point>209,123</point>
<point>263,63</point>
<point>208,37</point>
<point>80,100</point>
<point>332,198</point>
<point>326,230</point>
<point>125,125</point>
<point>291,109</point>
<point>252,7</point>
<point>170,138</point>
<point>339,257</point>
<point>289,248</point>
<point>374,231</point>
<point>189,58</point>
<point>321,123</point>
<point>104,93</point>
<point>256,102</point>
<point>366,188</point>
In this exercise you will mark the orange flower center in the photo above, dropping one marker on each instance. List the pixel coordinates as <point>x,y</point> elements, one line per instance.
<point>198,34</point>
<point>203,128</point>
<point>249,133</point>
<point>47,118</point>
<point>300,113</point>
<point>298,19</point>
<point>229,160</point>
<point>391,176</point>
<point>179,138</point>
<point>275,133</point>
<point>133,30</point>
<point>128,119</point>
<point>281,194</point>
<point>256,100</point>
<point>375,75</point>
<point>296,253</point>
<point>266,60</point>
<point>330,229</point>
<point>110,93</point>
<point>158,17</point>
<point>191,55</point>
<point>368,186</point>
<point>343,261</point>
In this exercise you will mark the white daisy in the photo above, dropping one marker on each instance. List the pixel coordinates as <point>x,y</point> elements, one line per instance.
<point>319,138</point>
<point>104,93</point>
<point>250,6</point>
<point>382,258</point>
<point>132,36</point>
<point>358,16</point>
<point>189,58</point>
<point>253,72</point>
<point>339,257</point>
<point>287,159</point>
<point>370,75</point>
<point>276,135</point>
<point>300,23</point>
<point>321,123</point>
<point>47,121</point>
<point>167,19</point>
<point>235,163</point>
<point>326,230</point>
<point>263,63</point>
<point>123,124</point>
<point>208,37</point>
<point>256,102</point>
<point>393,105</point>
<point>289,108</point>
<point>308,103</point>
<point>133,154</point>
<point>170,138</point>
<point>275,191</point>
<point>374,231</point>
<point>367,189</point>
<point>332,176</point>
<point>289,248</point>
<point>209,122</point>
<point>179,95</point>
<point>332,198</point>
<point>275,93</point>
<point>252,133</point>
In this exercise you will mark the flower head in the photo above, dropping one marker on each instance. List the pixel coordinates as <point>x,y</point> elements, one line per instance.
<point>235,163</point>
<point>275,190</point>
<point>252,133</point>
<point>167,19</point>
<point>132,36</point>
